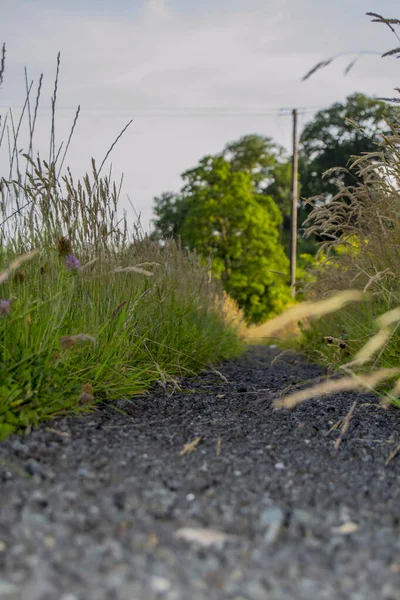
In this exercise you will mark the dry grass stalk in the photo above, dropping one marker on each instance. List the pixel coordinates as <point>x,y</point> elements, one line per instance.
<point>354,382</point>
<point>306,310</point>
<point>388,318</point>
<point>69,341</point>
<point>36,201</point>
<point>232,313</point>
<point>346,424</point>
<point>148,264</point>
<point>394,52</point>
<point>191,446</point>
<point>374,278</point>
<point>278,356</point>
<point>4,275</point>
<point>392,455</point>
<point>395,391</point>
<point>2,64</point>
<point>360,226</point>
<point>334,427</point>
<point>133,270</point>
<point>89,264</point>
<point>377,342</point>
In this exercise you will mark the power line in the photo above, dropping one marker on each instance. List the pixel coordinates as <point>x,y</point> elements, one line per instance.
<point>186,112</point>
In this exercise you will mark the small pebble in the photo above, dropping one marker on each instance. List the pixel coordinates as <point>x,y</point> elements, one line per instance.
<point>160,585</point>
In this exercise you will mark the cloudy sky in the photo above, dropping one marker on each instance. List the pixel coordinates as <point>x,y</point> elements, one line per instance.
<point>193,75</point>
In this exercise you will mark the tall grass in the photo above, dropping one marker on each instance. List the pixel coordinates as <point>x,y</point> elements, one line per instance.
<point>90,310</point>
<point>361,232</point>
<point>360,252</point>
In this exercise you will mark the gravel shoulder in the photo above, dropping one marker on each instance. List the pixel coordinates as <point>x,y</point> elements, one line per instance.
<point>102,507</point>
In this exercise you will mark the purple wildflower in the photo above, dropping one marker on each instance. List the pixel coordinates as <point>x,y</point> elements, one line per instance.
<point>71,262</point>
<point>5,307</point>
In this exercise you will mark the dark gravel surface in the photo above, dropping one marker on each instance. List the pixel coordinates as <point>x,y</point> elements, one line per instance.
<point>91,507</point>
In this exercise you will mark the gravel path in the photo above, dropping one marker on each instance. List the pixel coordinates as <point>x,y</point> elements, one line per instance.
<point>104,507</point>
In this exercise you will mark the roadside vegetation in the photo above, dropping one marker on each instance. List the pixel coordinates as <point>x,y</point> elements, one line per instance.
<point>353,326</point>
<point>360,233</point>
<point>90,310</point>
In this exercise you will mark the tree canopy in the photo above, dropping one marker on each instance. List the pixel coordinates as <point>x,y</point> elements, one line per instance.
<point>268,165</point>
<point>337,133</point>
<point>227,219</point>
<point>171,211</point>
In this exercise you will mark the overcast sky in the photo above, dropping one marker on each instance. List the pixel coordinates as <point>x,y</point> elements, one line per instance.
<point>193,75</point>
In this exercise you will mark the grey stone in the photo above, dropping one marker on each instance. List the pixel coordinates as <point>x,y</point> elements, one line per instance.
<point>8,590</point>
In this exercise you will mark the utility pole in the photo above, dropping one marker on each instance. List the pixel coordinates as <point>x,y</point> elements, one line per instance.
<point>295,169</point>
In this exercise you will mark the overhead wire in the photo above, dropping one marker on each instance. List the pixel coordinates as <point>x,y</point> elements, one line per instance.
<point>186,112</point>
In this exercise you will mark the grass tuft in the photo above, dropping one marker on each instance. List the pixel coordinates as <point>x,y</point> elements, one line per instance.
<point>91,310</point>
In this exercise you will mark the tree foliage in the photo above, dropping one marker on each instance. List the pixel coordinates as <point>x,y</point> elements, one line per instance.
<point>226,218</point>
<point>258,156</point>
<point>334,135</point>
<point>267,164</point>
<point>171,211</point>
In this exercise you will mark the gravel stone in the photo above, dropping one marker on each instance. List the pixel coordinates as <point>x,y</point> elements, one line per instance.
<point>8,591</point>
<point>89,506</point>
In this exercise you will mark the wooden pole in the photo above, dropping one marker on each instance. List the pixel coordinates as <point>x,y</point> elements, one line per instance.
<point>295,169</point>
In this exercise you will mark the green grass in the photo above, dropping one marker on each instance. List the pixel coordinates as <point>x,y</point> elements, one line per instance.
<point>338,337</point>
<point>130,331</point>
<point>100,312</point>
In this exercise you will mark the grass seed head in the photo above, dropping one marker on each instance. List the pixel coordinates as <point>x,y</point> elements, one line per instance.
<point>64,246</point>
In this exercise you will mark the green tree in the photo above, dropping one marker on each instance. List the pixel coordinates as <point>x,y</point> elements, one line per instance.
<point>171,211</point>
<point>228,220</point>
<point>334,135</point>
<point>270,172</point>
<point>267,164</point>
